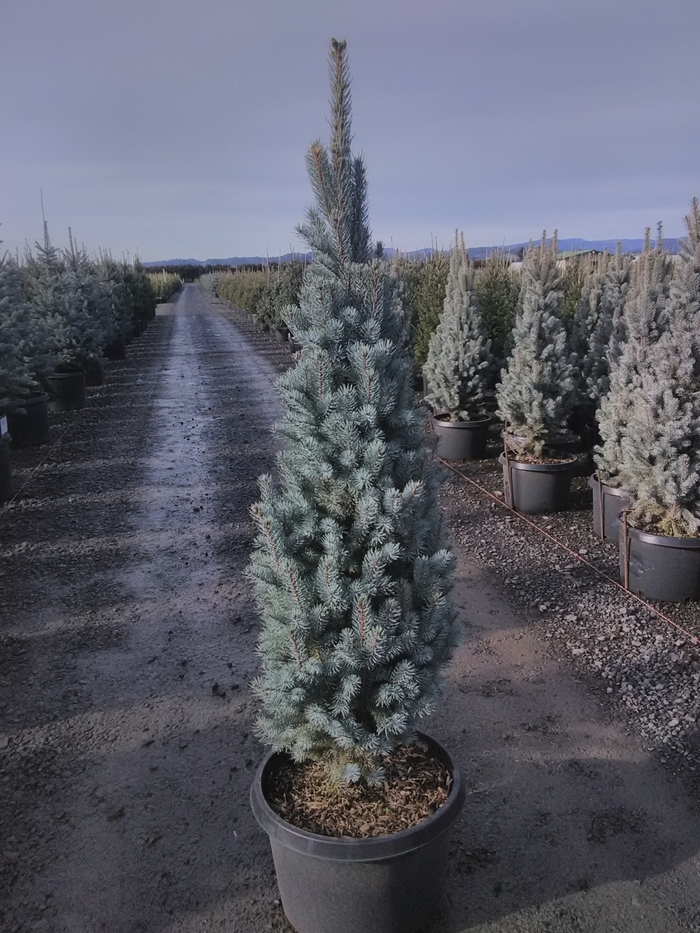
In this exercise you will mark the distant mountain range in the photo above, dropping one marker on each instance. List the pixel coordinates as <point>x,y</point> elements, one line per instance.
<point>475,252</point>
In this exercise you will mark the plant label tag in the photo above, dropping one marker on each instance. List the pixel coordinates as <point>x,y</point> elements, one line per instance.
<point>3,425</point>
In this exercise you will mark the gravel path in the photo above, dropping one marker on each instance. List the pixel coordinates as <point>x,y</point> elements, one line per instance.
<point>127,642</point>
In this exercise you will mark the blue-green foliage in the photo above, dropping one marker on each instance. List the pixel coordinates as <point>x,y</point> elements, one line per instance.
<point>536,391</point>
<point>660,445</point>
<point>459,356</point>
<point>351,568</point>
<point>15,336</point>
<point>645,320</point>
<point>598,326</point>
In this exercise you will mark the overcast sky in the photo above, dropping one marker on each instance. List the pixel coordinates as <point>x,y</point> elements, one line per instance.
<point>175,128</point>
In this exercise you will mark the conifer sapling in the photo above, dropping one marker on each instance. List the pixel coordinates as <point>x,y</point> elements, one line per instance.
<point>15,337</point>
<point>660,446</point>
<point>536,391</point>
<point>645,320</point>
<point>351,567</point>
<point>459,357</point>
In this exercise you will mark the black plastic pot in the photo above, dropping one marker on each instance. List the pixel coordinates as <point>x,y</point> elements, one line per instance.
<point>659,566</point>
<point>5,462</point>
<point>608,503</point>
<point>94,373</point>
<point>461,440</point>
<point>29,426</point>
<point>537,487</point>
<point>116,350</point>
<point>385,884</point>
<point>67,391</point>
<point>582,415</point>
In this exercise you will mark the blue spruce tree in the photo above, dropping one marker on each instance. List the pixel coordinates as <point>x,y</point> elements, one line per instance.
<point>459,354</point>
<point>351,567</point>
<point>597,329</point>
<point>536,391</point>
<point>15,337</point>
<point>660,446</point>
<point>645,319</point>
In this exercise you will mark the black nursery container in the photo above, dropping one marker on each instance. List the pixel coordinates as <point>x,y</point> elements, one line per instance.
<point>67,390</point>
<point>384,884</point>
<point>461,440</point>
<point>608,504</point>
<point>116,350</point>
<point>661,567</point>
<point>537,487</point>
<point>5,462</point>
<point>29,426</point>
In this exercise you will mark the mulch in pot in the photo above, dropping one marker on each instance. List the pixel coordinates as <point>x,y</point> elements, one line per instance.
<point>417,785</point>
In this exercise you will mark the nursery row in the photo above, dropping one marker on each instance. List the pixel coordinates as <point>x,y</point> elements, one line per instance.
<point>61,314</point>
<point>267,293</point>
<point>622,380</point>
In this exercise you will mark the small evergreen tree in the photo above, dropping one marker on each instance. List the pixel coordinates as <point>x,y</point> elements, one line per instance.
<point>351,568</point>
<point>536,391</point>
<point>143,297</point>
<point>660,447</point>
<point>645,320</point>
<point>426,293</point>
<point>51,338</point>
<point>617,286</point>
<point>497,290</point>
<point>573,281</point>
<point>459,355</point>
<point>242,288</point>
<point>15,337</point>
<point>89,302</point>
<point>597,329</point>
<point>278,293</point>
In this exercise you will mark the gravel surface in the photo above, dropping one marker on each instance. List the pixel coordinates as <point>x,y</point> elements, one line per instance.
<point>127,639</point>
<point>643,656</point>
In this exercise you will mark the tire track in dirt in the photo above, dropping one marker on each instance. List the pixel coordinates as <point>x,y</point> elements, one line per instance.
<point>155,813</point>
<point>128,636</point>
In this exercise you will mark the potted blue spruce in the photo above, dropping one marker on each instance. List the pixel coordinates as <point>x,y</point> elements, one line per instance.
<point>47,286</point>
<point>22,401</point>
<point>659,462</point>
<point>458,366</point>
<point>93,313</point>
<point>597,337</point>
<point>497,288</point>
<point>352,575</point>
<point>640,296</point>
<point>536,391</point>
<point>15,376</point>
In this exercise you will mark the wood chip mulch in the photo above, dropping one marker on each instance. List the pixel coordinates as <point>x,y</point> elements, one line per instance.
<point>417,785</point>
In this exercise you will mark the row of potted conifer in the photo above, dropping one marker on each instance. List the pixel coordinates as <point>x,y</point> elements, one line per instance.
<point>61,314</point>
<point>626,369</point>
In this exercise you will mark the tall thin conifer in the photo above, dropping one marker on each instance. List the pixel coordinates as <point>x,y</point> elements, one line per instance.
<point>536,391</point>
<point>351,567</point>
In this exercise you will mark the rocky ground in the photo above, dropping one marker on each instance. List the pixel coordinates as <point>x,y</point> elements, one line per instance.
<point>127,646</point>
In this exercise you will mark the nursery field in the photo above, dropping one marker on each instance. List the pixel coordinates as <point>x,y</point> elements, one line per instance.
<point>127,648</point>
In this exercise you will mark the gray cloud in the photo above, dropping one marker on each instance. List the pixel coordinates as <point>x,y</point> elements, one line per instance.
<point>180,128</point>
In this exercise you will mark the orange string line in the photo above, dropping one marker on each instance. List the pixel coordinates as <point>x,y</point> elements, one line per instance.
<point>692,638</point>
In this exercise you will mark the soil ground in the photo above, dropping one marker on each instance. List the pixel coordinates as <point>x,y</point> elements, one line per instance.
<point>127,647</point>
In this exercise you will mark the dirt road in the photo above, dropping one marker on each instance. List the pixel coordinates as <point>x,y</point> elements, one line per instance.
<point>127,646</point>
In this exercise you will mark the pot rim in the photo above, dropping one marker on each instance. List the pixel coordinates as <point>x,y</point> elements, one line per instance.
<point>647,537</point>
<point>473,423</point>
<point>609,490</point>
<point>20,401</point>
<point>373,849</point>
<point>76,374</point>
<point>568,462</point>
